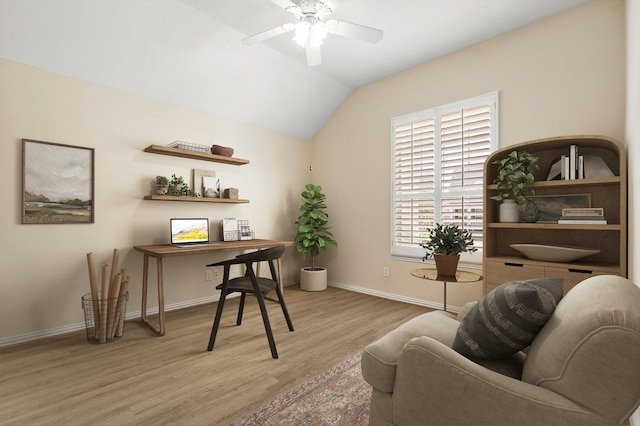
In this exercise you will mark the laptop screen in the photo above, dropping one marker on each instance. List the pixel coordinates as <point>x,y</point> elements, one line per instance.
<point>186,231</point>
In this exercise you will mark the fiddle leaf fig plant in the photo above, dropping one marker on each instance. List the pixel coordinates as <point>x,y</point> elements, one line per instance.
<point>515,179</point>
<point>313,233</point>
<point>448,239</point>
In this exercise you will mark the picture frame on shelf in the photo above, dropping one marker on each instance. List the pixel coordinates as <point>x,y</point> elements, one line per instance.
<point>210,187</point>
<point>197,179</point>
<point>58,183</point>
<point>550,206</point>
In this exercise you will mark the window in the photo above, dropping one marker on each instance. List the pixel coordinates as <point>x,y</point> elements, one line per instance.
<point>437,172</point>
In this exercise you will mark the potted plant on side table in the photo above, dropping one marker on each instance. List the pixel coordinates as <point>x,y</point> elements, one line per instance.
<point>515,182</point>
<point>445,243</point>
<point>312,237</point>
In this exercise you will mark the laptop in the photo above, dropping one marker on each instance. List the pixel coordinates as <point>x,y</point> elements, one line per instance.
<point>187,232</point>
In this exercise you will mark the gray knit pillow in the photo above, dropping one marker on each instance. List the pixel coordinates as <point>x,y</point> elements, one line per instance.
<point>508,318</point>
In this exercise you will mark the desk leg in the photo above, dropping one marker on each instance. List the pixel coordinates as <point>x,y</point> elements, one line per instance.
<point>145,286</point>
<point>160,296</point>
<point>279,272</point>
<point>145,279</point>
<point>445,296</point>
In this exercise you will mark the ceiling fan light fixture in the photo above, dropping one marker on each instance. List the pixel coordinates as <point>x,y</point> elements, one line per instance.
<point>317,34</point>
<point>303,29</point>
<point>310,31</point>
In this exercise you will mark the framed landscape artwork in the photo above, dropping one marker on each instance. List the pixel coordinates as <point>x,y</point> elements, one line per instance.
<point>57,183</point>
<point>550,206</point>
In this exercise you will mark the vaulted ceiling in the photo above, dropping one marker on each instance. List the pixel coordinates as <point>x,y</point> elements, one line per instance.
<point>189,52</point>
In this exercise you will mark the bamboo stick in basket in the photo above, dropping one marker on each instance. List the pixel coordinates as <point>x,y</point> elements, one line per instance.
<point>120,311</point>
<point>114,264</point>
<point>94,294</point>
<point>114,291</point>
<point>104,304</point>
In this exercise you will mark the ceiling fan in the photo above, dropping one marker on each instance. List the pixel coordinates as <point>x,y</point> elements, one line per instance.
<point>311,27</point>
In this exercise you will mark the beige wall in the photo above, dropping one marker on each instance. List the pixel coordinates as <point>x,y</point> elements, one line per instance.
<point>43,267</point>
<point>564,75</point>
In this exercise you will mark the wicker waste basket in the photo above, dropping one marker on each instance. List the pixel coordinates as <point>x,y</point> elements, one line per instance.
<point>104,318</point>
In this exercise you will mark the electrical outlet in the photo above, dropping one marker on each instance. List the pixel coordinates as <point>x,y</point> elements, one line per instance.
<point>215,274</point>
<point>208,275</point>
<point>385,271</point>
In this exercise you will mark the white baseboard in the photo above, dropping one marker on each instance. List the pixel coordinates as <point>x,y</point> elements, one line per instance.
<point>391,296</point>
<point>22,338</point>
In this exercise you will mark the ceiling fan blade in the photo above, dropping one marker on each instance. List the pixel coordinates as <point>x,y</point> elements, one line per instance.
<point>265,35</point>
<point>290,6</point>
<point>283,3</point>
<point>347,29</point>
<point>313,56</point>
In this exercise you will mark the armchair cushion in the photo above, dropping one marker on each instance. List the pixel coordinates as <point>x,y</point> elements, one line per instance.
<point>508,318</point>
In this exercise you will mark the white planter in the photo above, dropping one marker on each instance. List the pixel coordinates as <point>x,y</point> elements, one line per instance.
<point>313,280</point>
<point>509,211</point>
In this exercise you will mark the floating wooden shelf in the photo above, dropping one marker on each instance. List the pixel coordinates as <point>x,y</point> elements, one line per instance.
<point>174,152</point>
<point>195,199</point>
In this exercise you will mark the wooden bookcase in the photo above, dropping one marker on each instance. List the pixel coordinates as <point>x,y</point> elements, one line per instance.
<point>502,263</point>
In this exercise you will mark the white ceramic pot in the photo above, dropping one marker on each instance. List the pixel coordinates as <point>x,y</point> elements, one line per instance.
<point>313,279</point>
<point>509,211</point>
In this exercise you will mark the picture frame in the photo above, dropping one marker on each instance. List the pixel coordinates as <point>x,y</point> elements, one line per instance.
<point>550,206</point>
<point>198,181</point>
<point>58,183</point>
<point>211,187</point>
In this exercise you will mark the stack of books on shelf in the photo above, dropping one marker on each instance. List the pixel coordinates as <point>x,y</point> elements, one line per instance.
<point>572,165</point>
<point>583,216</point>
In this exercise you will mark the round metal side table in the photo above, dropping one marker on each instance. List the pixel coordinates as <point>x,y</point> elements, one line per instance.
<point>460,277</point>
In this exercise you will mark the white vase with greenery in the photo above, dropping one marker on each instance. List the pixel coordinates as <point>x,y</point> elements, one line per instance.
<point>515,181</point>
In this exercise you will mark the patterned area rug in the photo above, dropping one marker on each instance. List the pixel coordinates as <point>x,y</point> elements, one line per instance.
<point>339,396</point>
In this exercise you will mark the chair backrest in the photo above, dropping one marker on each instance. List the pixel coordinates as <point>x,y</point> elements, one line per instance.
<point>261,255</point>
<point>589,350</point>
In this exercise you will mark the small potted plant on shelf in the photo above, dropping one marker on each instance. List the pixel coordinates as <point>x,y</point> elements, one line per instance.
<point>162,185</point>
<point>312,237</point>
<point>515,182</point>
<point>445,243</point>
<point>178,187</point>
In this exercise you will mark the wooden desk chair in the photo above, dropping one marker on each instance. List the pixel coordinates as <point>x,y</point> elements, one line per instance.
<point>250,283</point>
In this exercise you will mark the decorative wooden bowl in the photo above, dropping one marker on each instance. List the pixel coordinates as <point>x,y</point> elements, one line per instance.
<point>222,150</point>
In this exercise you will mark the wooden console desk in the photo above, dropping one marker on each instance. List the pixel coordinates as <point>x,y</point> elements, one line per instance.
<point>166,250</point>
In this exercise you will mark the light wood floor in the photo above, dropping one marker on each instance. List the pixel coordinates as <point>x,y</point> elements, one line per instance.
<point>146,380</point>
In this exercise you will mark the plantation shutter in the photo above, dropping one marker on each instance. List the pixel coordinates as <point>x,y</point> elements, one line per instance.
<point>438,162</point>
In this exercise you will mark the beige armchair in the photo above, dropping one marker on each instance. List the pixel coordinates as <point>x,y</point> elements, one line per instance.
<point>582,368</point>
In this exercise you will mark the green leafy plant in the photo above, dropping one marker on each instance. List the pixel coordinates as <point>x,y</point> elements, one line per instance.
<point>313,233</point>
<point>515,179</point>
<point>177,186</point>
<point>161,180</point>
<point>448,239</point>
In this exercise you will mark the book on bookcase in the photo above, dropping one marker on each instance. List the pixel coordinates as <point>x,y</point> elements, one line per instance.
<point>583,215</point>
<point>583,211</point>
<point>574,164</point>
<point>581,221</point>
